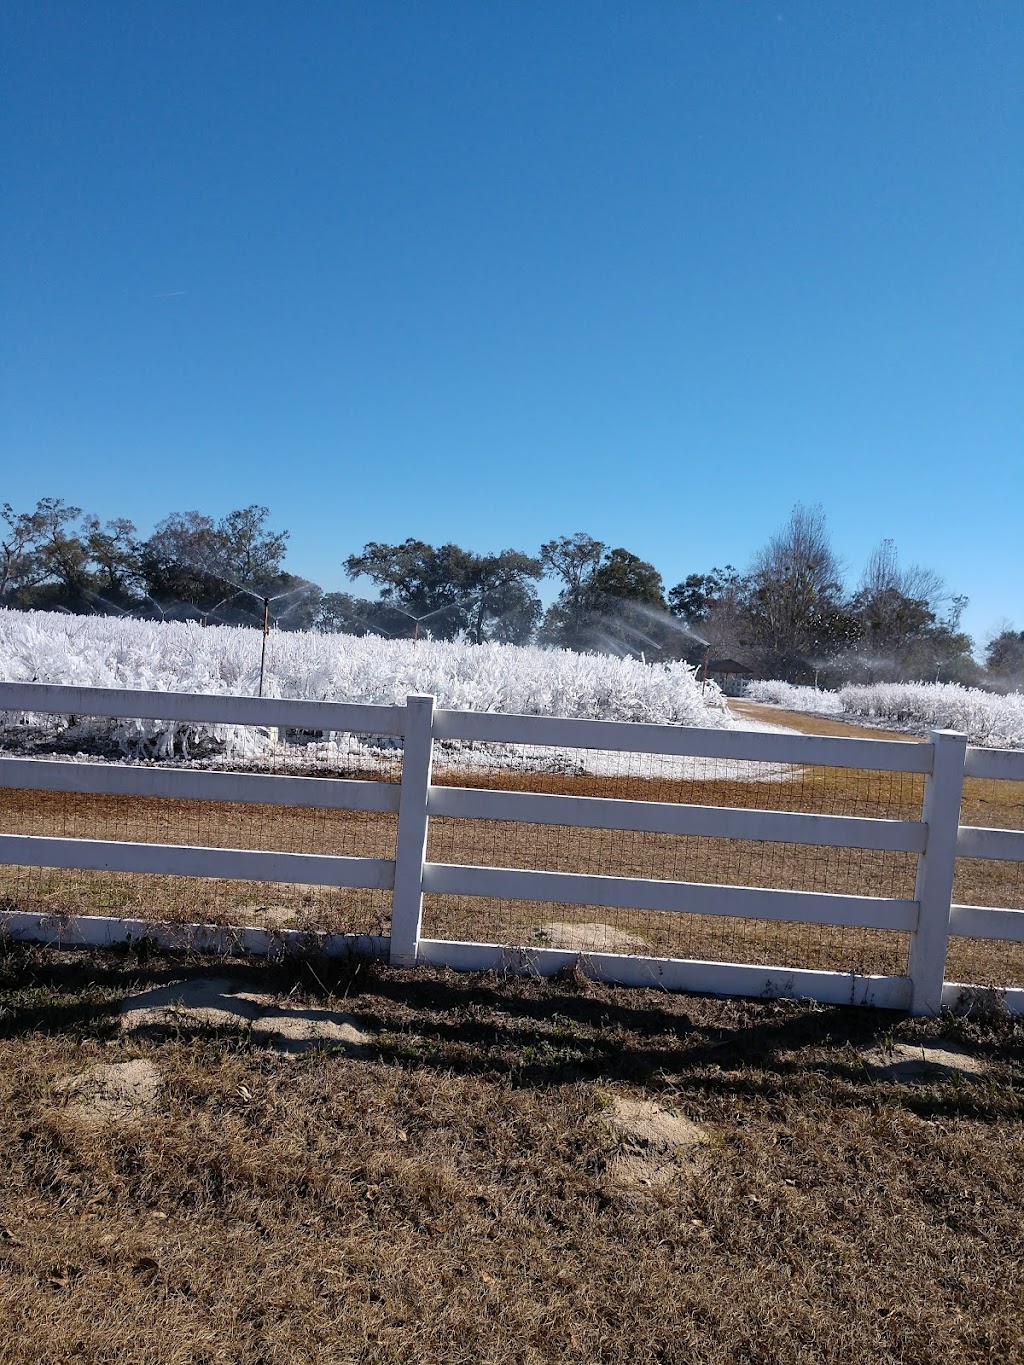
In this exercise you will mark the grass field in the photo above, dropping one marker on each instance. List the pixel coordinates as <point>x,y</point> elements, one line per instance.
<point>465,1192</point>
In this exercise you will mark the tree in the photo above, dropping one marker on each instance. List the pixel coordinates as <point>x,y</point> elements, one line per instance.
<point>902,634</point>
<point>196,566</point>
<point>293,601</point>
<point>716,609</point>
<point>247,551</point>
<point>22,564</point>
<point>175,563</point>
<point>625,577</point>
<point>503,601</point>
<point>448,590</point>
<point>339,613</point>
<point>114,552</point>
<point>45,564</point>
<point>796,618</point>
<point>1004,658</point>
<point>612,601</point>
<point>425,585</point>
<point>573,560</point>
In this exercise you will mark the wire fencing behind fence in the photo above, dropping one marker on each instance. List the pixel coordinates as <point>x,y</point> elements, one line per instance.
<point>988,962</point>
<point>204,824</point>
<point>629,853</point>
<point>498,766</point>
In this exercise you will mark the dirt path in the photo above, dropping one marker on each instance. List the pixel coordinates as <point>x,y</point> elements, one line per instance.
<point>815,725</point>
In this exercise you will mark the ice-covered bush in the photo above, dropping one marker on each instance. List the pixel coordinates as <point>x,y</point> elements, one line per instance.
<point>794,697</point>
<point>985,717</point>
<point>99,651</point>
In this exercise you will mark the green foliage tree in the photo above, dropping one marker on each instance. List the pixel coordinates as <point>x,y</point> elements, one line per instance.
<point>339,613</point>
<point>22,563</point>
<point>193,565</point>
<point>716,608</point>
<point>572,561</point>
<point>503,603</point>
<point>426,585</point>
<point>448,591</point>
<point>47,562</point>
<point>113,551</point>
<point>611,601</point>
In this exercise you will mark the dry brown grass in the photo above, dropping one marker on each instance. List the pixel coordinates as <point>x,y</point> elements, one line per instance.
<point>459,1195</point>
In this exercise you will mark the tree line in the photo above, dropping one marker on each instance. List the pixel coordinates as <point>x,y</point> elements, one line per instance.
<point>790,614</point>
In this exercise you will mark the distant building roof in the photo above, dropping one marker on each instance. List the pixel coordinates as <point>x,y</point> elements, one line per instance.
<point>729,666</point>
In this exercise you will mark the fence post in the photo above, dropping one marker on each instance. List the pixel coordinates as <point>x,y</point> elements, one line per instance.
<point>934,892</point>
<point>411,848</point>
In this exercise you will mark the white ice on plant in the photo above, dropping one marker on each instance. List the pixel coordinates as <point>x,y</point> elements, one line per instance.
<point>986,718</point>
<point>104,651</point>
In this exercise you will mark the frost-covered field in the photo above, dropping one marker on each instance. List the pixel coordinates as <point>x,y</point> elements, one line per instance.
<point>984,717</point>
<point>97,651</point>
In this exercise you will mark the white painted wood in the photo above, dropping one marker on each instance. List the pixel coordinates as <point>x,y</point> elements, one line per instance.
<point>99,931</point>
<point>188,784</point>
<point>195,706</point>
<point>962,997</point>
<point>1001,845</point>
<point>663,817</point>
<point>675,974</point>
<point>985,921</point>
<point>938,839</point>
<point>182,860</point>
<point>934,889</point>
<point>1002,765</point>
<point>625,736</point>
<point>746,902</point>
<point>411,851</point>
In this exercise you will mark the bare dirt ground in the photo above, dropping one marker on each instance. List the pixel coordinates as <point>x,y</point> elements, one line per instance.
<point>509,1171</point>
<point>814,725</point>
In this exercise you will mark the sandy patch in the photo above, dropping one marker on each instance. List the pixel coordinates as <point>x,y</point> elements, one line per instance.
<point>200,1002</point>
<point>268,916</point>
<point>590,938</point>
<point>923,1065</point>
<point>292,1029</point>
<point>656,1142</point>
<point>114,1091</point>
<point>218,1002</point>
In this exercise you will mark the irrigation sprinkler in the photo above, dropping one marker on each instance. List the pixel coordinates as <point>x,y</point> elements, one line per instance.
<point>266,632</point>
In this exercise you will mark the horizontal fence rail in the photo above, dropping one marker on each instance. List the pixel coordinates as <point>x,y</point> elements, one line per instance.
<point>115,704</point>
<point>1000,765</point>
<point>184,860</point>
<point>183,784</point>
<point>697,898</point>
<point>663,817</point>
<point>928,918</point>
<point>683,741</point>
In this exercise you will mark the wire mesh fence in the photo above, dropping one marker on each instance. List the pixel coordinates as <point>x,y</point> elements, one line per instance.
<point>699,859</point>
<point>979,881</point>
<point>203,824</point>
<point>748,784</point>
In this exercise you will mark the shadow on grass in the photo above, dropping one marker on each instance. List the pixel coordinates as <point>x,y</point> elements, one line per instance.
<point>543,1032</point>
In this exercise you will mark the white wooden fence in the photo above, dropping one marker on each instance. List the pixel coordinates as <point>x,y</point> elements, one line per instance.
<point>937,839</point>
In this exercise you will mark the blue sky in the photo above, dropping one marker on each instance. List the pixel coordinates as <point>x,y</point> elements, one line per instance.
<point>493,272</point>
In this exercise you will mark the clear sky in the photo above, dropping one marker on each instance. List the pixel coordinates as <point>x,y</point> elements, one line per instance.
<point>493,271</point>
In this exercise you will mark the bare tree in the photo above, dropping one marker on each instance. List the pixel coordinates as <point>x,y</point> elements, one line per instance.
<point>796,611</point>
